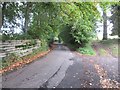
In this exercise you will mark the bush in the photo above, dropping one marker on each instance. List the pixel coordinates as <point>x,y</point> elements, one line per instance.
<point>67,37</point>
<point>88,50</point>
<point>76,36</point>
<point>16,37</point>
<point>9,59</point>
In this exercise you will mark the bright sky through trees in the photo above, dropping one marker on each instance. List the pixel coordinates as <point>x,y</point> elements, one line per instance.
<point>100,24</point>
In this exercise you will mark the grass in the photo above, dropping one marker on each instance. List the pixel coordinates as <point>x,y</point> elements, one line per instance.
<point>111,45</point>
<point>8,60</point>
<point>109,41</point>
<point>88,50</point>
<point>114,50</point>
<point>102,52</point>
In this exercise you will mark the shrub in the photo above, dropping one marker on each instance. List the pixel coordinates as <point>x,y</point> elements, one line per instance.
<point>88,50</point>
<point>76,36</point>
<point>9,59</point>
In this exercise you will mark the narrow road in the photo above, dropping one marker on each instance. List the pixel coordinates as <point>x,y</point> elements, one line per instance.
<point>49,70</point>
<point>62,68</point>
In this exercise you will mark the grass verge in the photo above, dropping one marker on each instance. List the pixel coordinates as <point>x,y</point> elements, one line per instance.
<point>102,52</point>
<point>111,46</point>
<point>87,50</point>
<point>12,61</point>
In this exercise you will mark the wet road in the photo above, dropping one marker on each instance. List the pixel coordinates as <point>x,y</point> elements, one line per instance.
<point>62,68</point>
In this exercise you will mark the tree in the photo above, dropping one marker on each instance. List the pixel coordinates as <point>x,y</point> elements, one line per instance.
<point>104,25</point>
<point>48,19</point>
<point>3,10</point>
<point>80,23</point>
<point>9,14</point>
<point>115,19</point>
<point>13,11</point>
<point>26,9</point>
<point>104,6</point>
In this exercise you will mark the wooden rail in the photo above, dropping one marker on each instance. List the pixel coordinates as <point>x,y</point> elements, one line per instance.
<point>9,46</point>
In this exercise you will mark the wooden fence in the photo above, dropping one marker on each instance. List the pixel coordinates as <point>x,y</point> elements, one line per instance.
<point>10,46</point>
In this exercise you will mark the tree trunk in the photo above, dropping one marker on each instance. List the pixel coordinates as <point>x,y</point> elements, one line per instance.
<point>27,9</point>
<point>118,21</point>
<point>118,26</point>
<point>3,14</point>
<point>104,25</point>
<point>1,20</point>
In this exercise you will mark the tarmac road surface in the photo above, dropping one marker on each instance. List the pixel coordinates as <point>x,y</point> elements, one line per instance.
<point>62,68</point>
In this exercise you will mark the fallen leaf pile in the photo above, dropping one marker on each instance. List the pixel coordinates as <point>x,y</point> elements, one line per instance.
<point>105,82</point>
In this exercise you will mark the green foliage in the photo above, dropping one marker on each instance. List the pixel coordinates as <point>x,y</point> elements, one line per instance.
<point>32,42</point>
<point>88,50</point>
<point>111,45</point>
<point>109,42</point>
<point>9,59</point>
<point>44,45</point>
<point>102,52</point>
<point>23,36</point>
<point>5,37</point>
<point>115,19</point>
<point>0,37</point>
<point>68,38</point>
<point>75,22</point>
<point>80,27</point>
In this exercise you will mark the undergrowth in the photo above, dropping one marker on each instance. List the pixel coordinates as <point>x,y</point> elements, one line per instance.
<point>87,50</point>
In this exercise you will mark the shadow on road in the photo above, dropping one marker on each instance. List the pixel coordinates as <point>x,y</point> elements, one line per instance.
<point>61,47</point>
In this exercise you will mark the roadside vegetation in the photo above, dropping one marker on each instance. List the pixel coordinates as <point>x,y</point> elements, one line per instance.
<point>111,46</point>
<point>88,50</point>
<point>74,23</point>
<point>12,58</point>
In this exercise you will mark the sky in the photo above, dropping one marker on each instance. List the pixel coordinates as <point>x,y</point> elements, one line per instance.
<point>100,25</point>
